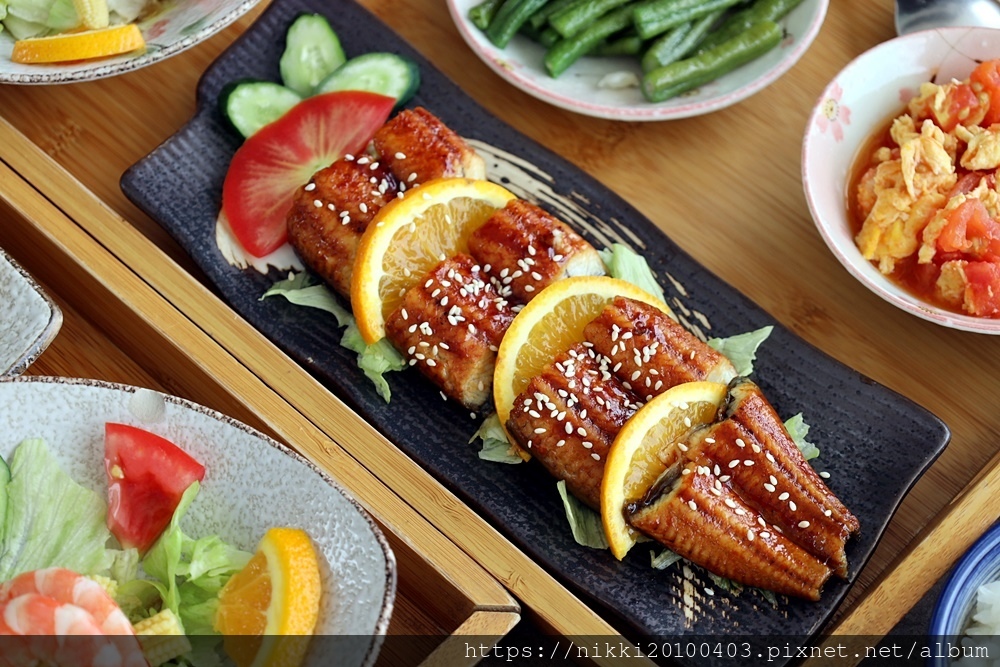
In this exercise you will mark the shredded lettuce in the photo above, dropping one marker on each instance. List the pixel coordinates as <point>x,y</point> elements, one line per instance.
<point>374,360</point>
<point>583,521</point>
<point>189,573</point>
<point>741,349</point>
<point>623,263</point>
<point>50,520</point>
<point>799,429</point>
<point>496,447</point>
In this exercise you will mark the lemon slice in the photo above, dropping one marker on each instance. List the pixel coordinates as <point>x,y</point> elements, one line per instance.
<point>550,324</point>
<point>274,600</point>
<point>639,454</point>
<point>409,236</point>
<point>83,45</point>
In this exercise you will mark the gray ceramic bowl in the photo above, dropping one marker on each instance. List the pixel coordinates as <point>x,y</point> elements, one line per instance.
<point>29,319</point>
<point>252,483</point>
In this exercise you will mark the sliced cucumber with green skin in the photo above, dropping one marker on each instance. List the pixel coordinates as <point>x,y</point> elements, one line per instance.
<point>312,52</point>
<point>250,104</point>
<point>383,73</point>
<point>4,493</point>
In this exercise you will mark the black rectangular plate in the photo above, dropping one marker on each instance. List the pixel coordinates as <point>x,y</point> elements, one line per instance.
<point>874,442</point>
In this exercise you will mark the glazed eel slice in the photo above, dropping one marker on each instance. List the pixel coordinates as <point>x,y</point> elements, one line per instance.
<point>332,211</point>
<point>598,384</point>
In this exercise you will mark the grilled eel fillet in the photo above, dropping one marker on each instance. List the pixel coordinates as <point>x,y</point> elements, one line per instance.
<point>741,501</point>
<point>747,491</point>
<point>633,352</point>
<point>450,325</point>
<point>332,211</point>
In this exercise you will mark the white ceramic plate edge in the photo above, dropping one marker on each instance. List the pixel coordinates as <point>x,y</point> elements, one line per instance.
<point>45,335</point>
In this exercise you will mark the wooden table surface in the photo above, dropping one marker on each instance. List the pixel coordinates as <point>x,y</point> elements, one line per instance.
<point>726,188</point>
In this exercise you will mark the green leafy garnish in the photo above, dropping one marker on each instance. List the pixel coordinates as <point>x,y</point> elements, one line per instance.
<point>625,264</point>
<point>583,521</point>
<point>798,429</point>
<point>664,560</point>
<point>374,360</point>
<point>741,349</point>
<point>495,448</point>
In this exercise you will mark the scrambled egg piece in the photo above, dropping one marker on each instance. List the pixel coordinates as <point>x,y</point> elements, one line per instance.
<point>908,191</point>
<point>951,283</point>
<point>983,151</point>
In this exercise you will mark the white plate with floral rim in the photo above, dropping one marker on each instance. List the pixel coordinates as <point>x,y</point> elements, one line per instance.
<point>29,319</point>
<point>173,27</point>
<point>252,483</point>
<point>860,101</point>
<point>520,64</point>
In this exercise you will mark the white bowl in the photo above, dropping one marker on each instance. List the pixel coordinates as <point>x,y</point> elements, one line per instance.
<point>29,319</point>
<point>873,88</point>
<point>520,64</point>
<point>176,26</point>
<point>251,483</point>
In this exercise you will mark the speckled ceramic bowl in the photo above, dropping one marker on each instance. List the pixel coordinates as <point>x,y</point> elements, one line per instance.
<point>252,483</point>
<point>29,319</point>
<point>957,602</point>
<point>858,102</point>
<point>174,27</point>
<point>520,64</point>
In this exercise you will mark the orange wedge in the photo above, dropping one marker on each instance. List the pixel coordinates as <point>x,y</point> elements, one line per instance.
<point>550,324</point>
<point>83,45</point>
<point>409,237</point>
<point>642,451</point>
<point>268,609</point>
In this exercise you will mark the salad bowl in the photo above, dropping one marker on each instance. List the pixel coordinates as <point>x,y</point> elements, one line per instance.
<point>859,101</point>
<point>252,483</point>
<point>29,319</point>
<point>173,27</point>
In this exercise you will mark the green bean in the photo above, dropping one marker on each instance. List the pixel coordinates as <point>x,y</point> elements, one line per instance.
<point>482,14</point>
<point>657,17</point>
<point>541,17</point>
<point>734,24</point>
<point>509,19</point>
<point>546,36</point>
<point>679,41</point>
<point>629,45</point>
<point>566,51</point>
<point>574,19</point>
<point>683,75</point>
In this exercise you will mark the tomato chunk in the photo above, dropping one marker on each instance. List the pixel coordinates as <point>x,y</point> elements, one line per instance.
<point>982,293</point>
<point>147,475</point>
<point>281,157</point>
<point>986,77</point>
<point>971,230</point>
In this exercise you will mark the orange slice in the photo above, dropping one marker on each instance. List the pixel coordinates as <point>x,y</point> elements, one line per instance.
<point>268,609</point>
<point>83,45</point>
<point>550,324</point>
<point>409,236</point>
<point>642,451</point>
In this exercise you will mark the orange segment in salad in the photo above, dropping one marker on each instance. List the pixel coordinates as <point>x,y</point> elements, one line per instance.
<point>83,45</point>
<point>268,609</point>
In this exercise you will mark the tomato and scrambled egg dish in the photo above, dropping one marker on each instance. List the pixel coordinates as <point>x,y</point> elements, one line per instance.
<point>926,202</point>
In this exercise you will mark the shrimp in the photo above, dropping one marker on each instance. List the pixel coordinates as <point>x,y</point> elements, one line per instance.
<point>52,603</point>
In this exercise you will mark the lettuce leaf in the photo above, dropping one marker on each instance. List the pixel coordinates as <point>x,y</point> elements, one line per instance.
<point>189,573</point>
<point>374,360</point>
<point>664,560</point>
<point>50,520</point>
<point>583,521</point>
<point>799,429</point>
<point>623,263</point>
<point>741,349</point>
<point>496,447</point>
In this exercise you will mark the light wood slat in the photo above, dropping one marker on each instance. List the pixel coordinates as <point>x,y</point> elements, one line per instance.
<point>483,628</point>
<point>152,331</point>
<point>524,578</point>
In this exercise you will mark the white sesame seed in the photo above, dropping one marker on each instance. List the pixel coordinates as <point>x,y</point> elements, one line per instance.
<point>748,463</point>
<point>681,446</point>
<point>560,443</point>
<point>827,512</point>
<point>529,288</point>
<point>412,177</point>
<point>791,505</point>
<point>310,187</point>
<point>569,428</point>
<point>540,430</point>
<point>363,207</point>
<point>750,535</point>
<point>765,534</point>
<point>582,432</point>
<point>693,505</point>
<point>587,444</point>
<point>734,463</point>
<point>730,503</point>
<point>331,207</point>
<point>773,479</point>
<point>348,157</point>
<point>443,397</point>
<point>769,487</point>
<point>803,524</point>
<point>709,591</point>
<point>363,160</point>
<point>431,362</point>
<point>783,496</point>
<point>595,456</point>
<point>534,413</point>
<point>400,156</point>
<point>740,443</point>
<point>825,475</point>
<point>756,448</point>
<point>635,375</point>
<point>710,441</point>
<point>687,422</point>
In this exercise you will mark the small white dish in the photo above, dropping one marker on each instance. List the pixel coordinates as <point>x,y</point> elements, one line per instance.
<point>520,64</point>
<point>176,26</point>
<point>864,96</point>
<point>251,483</point>
<point>29,319</point>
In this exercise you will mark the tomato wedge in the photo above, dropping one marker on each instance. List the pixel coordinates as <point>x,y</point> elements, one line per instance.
<point>147,475</point>
<point>282,156</point>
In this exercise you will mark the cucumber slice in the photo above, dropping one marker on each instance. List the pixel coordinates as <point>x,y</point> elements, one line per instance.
<point>4,494</point>
<point>250,104</point>
<point>312,52</point>
<point>383,73</point>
